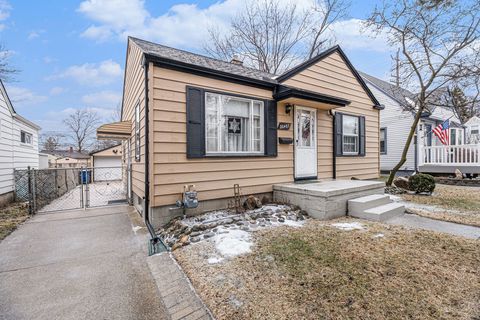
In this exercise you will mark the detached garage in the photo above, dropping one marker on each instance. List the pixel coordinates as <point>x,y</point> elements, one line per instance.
<point>107,164</point>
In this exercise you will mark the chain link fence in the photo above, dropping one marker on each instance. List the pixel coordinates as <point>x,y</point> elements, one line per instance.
<point>70,188</point>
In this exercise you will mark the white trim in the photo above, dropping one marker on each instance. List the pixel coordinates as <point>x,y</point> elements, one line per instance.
<point>314,142</point>
<point>251,127</point>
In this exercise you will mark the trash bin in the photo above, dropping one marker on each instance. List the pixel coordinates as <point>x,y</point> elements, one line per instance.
<point>85,176</point>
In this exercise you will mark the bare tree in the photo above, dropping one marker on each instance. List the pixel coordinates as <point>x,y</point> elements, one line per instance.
<point>326,13</point>
<point>117,113</point>
<point>271,36</point>
<point>51,141</point>
<point>82,125</point>
<point>437,40</point>
<point>6,70</point>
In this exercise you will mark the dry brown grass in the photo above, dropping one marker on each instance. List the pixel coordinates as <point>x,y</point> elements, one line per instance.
<point>319,272</point>
<point>10,217</point>
<point>464,200</point>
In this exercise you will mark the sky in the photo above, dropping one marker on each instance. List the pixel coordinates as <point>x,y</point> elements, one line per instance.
<point>71,54</point>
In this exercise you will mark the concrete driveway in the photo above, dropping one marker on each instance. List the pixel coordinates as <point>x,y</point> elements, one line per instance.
<point>78,265</point>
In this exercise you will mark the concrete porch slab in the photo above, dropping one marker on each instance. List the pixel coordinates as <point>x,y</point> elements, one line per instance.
<point>325,199</point>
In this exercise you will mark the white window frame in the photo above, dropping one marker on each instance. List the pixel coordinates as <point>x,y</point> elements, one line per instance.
<point>384,141</point>
<point>252,127</point>
<point>26,134</point>
<point>357,144</point>
<point>459,138</point>
<point>137,132</point>
<point>475,127</point>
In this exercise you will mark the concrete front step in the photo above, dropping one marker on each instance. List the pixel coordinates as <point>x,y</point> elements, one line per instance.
<point>359,205</point>
<point>381,213</point>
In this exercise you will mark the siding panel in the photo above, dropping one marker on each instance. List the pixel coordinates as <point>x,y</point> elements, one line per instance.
<point>333,77</point>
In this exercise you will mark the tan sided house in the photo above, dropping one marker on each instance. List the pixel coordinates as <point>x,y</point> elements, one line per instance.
<point>190,119</point>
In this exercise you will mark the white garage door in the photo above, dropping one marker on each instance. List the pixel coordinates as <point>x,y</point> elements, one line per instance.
<point>107,168</point>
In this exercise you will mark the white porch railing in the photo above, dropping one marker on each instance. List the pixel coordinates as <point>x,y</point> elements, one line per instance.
<point>461,155</point>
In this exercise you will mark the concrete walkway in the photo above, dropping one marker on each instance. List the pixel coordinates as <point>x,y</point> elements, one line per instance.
<point>78,265</point>
<point>417,222</point>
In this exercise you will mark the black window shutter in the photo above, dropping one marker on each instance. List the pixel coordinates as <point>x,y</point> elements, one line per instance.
<point>338,139</point>
<point>362,136</point>
<point>271,128</point>
<point>195,123</point>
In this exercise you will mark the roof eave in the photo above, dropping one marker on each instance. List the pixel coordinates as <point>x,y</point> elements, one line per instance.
<point>191,68</point>
<point>290,73</point>
<point>283,93</point>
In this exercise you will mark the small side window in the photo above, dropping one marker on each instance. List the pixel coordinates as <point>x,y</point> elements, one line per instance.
<point>137,131</point>
<point>25,137</point>
<point>383,141</point>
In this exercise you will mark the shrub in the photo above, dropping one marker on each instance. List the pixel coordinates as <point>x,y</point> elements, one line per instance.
<point>422,183</point>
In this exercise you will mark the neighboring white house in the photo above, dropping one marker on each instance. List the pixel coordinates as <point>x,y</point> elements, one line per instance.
<point>395,124</point>
<point>472,130</point>
<point>18,145</point>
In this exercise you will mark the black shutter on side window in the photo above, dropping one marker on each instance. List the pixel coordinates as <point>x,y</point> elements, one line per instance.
<point>362,136</point>
<point>195,123</point>
<point>271,128</point>
<point>338,134</point>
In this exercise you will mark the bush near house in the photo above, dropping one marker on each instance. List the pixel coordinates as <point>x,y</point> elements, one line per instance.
<point>422,183</point>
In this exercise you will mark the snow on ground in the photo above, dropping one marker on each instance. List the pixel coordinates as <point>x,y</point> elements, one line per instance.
<point>233,243</point>
<point>136,228</point>
<point>348,226</point>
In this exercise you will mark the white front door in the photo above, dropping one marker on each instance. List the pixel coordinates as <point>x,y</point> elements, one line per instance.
<point>305,143</point>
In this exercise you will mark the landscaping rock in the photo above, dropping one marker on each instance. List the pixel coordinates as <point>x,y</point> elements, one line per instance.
<point>252,202</point>
<point>402,182</point>
<point>458,174</point>
<point>208,235</point>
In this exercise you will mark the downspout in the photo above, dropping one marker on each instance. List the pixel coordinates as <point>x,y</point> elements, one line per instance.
<point>334,155</point>
<point>156,245</point>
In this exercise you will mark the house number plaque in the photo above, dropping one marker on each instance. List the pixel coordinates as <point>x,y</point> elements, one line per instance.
<point>284,126</point>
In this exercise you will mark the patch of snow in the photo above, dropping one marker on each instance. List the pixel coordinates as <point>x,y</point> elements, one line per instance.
<point>136,228</point>
<point>291,223</point>
<point>214,260</point>
<point>273,207</point>
<point>378,235</point>
<point>234,243</point>
<point>348,226</point>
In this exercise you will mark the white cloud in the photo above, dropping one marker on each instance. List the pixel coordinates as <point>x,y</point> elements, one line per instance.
<point>93,74</point>
<point>35,34</point>
<point>55,91</point>
<point>351,34</point>
<point>102,99</point>
<point>5,9</point>
<point>103,113</point>
<point>24,97</point>
<point>186,25</point>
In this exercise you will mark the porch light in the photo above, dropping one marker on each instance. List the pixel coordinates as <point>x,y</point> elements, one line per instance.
<point>288,108</point>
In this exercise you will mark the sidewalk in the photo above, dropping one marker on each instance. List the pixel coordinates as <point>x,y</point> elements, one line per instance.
<point>78,265</point>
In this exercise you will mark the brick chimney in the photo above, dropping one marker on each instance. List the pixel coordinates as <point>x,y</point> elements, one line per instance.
<point>236,60</point>
<point>71,149</point>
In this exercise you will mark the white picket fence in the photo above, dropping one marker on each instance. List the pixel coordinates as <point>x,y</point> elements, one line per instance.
<point>461,155</point>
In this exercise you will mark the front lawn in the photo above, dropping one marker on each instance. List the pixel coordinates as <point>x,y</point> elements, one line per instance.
<point>10,217</point>
<point>452,203</point>
<point>319,271</point>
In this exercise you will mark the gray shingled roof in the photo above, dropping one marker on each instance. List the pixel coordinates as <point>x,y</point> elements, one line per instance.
<point>165,52</point>
<point>67,154</point>
<point>388,88</point>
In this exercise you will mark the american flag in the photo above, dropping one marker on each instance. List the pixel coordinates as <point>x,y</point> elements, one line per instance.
<point>441,131</point>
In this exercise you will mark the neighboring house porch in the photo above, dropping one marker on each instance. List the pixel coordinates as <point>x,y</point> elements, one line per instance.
<point>445,159</point>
